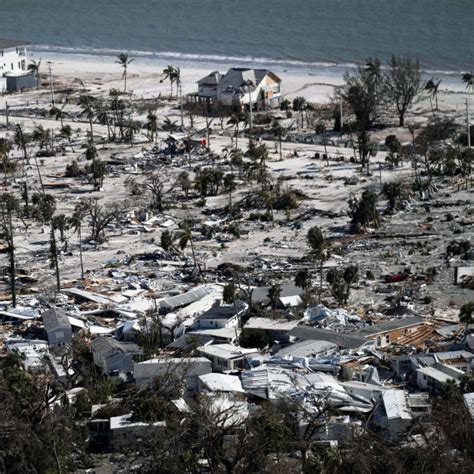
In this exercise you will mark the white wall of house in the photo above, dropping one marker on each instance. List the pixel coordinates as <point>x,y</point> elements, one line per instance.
<point>13,60</point>
<point>3,84</point>
<point>217,323</point>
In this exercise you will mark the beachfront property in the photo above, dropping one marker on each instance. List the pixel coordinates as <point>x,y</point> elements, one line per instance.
<point>14,74</point>
<point>239,88</point>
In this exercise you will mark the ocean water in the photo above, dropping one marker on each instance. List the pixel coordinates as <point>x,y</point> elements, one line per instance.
<point>309,34</point>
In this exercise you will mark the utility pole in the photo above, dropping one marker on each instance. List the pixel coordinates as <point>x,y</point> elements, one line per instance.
<point>7,111</point>
<point>340,111</point>
<point>468,124</point>
<point>249,85</point>
<point>51,83</point>
<point>181,100</point>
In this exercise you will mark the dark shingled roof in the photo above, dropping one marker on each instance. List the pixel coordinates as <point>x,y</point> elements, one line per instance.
<point>8,43</point>
<point>108,346</point>
<point>55,318</point>
<point>345,341</point>
<point>390,325</point>
<point>224,312</point>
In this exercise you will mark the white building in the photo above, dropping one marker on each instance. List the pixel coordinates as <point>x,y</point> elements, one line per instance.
<point>14,73</point>
<point>13,57</point>
<point>190,368</point>
<point>239,88</point>
<point>226,357</point>
<point>57,327</point>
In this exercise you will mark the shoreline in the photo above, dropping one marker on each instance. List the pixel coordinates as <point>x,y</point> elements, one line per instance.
<point>144,75</point>
<point>327,69</point>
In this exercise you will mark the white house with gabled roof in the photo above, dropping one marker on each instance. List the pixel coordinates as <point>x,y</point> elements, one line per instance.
<point>239,88</point>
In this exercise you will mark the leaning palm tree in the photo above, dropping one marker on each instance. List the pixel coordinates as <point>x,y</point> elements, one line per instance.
<point>34,67</point>
<point>124,61</point>
<point>468,79</point>
<point>432,88</point>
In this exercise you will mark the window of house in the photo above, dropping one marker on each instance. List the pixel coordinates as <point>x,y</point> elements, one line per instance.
<point>11,66</point>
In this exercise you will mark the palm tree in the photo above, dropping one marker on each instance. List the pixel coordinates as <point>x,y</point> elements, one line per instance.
<point>186,237</point>
<point>66,132</point>
<point>320,251</point>
<point>152,125</point>
<point>235,120</point>
<point>468,79</point>
<point>229,185</point>
<point>394,193</point>
<point>42,136</point>
<point>432,87</point>
<point>273,294</point>
<point>5,148</point>
<point>34,67</point>
<point>303,280</point>
<point>124,61</point>
<point>87,104</point>
<point>466,314</point>
<point>75,221</point>
<point>58,114</point>
<point>320,129</point>
<point>21,140</point>
<point>172,74</point>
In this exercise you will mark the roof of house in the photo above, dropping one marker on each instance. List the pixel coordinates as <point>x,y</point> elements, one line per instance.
<point>212,79</point>
<point>186,298</point>
<point>226,351</point>
<point>260,293</point>
<point>9,43</point>
<point>222,382</point>
<point>346,341</point>
<point>224,311</point>
<point>271,324</point>
<point>469,402</point>
<point>224,333</point>
<point>290,300</point>
<point>390,325</point>
<point>235,78</point>
<point>306,348</point>
<point>55,318</point>
<point>108,346</point>
<point>395,404</point>
<point>440,372</point>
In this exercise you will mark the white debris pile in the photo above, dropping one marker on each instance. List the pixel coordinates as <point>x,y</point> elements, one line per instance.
<point>326,317</point>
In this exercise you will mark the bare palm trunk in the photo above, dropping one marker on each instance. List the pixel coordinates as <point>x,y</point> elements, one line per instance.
<point>39,174</point>
<point>79,231</point>
<point>11,252</point>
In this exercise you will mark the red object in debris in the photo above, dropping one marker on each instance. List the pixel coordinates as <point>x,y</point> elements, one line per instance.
<point>203,141</point>
<point>397,278</point>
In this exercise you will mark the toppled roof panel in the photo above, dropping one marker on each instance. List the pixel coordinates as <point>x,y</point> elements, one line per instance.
<point>222,382</point>
<point>395,404</point>
<point>185,299</point>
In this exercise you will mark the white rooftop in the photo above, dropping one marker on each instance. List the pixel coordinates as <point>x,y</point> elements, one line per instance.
<point>271,324</point>
<point>395,404</point>
<point>226,351</point>
<point>222,382</point>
